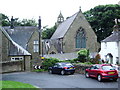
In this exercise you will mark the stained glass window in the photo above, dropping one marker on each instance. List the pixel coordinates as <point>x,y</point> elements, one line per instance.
<point>80,38</point>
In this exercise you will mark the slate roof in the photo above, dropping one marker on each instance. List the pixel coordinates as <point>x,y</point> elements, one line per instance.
<point>21,34</point>
<point>63,27</point>
<point>67,56</point>
<point>113,37</point>
<point>15,49</point>
<point>64,56</point>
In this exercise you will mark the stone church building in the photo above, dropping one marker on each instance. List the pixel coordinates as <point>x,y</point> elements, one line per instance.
<point>71,35</point>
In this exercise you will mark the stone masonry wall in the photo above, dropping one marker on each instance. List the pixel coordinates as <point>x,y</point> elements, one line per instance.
<point>69,38</point>
<point>12,66</point>
<point>81,68</point>
<point>5,48</point>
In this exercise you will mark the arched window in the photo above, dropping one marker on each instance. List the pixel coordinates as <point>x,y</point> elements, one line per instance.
<point>80,38</point>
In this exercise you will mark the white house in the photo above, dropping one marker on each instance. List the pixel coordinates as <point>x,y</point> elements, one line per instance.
<point>110,47</point>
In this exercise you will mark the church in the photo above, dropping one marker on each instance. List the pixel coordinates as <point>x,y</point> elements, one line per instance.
<point>71,35</point>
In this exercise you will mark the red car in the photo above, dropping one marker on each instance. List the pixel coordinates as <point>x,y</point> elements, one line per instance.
<point>102,71</point>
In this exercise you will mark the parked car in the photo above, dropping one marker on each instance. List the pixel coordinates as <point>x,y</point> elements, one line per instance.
<point>102,71</point>
<point>62,68</point>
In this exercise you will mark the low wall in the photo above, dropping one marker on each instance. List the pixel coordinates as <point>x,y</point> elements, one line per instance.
<point>12,66</point>
<point>80,68</point>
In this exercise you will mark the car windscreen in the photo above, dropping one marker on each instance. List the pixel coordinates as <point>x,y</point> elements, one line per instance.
<point>107,68</point>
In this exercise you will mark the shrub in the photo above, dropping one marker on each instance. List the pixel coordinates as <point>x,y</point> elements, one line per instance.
<point>70,61</point>
<point>48,62</point>
<point>75,59</point>
<point>88,63</point>
<point>83,55</point>
<point>96,59</point>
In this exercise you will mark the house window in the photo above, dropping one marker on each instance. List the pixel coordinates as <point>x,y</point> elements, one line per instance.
<point>36,46</point>
<point>80,39</point>
<point>16,58</point>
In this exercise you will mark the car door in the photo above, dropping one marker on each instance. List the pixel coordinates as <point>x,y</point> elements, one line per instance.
<point>59,68</point>
<point>55,68</point>
<point>92,71</point>
<point>96,70</point>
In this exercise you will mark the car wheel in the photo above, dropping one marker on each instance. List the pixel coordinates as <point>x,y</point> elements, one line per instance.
<point>115,79</point>
<point>99,78</point>
<point>72,73</point>
<point>87,75</point>
<point>50,71</point>
<point>62,72</point>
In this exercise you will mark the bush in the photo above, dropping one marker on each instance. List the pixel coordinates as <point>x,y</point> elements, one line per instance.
<point>83,55</point>
<point>88,63</point>
<point>96,59</point>
<point>48,62</point>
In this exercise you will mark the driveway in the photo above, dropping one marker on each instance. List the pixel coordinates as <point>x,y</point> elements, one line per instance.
<point>45,80</point>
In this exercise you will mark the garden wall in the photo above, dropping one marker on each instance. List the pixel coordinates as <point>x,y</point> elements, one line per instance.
<point>12,66</point>
<point>80,68</point>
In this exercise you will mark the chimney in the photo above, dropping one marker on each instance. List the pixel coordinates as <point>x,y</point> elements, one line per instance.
<point>116,27</point>
<point>39,23</point>
<point>12,23</point>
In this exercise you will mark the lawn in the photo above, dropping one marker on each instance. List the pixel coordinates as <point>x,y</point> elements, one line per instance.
<point>14,84</point>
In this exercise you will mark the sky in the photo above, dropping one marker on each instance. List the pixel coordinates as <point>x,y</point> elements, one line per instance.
<point>47,9</point>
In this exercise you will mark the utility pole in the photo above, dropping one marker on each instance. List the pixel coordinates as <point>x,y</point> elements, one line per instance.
<point>40,39</point>
<point>39,27</point>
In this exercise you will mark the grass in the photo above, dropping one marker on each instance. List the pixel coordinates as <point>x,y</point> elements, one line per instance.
<point>38,70</point>
<point>14,84</point>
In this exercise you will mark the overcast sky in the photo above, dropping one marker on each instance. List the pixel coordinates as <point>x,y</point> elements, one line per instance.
<point>47,9</point>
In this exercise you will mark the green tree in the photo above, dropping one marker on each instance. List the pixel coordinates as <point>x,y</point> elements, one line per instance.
<point>27,22</point>
<point>48,32</point>
<point>4,21</point>
<point>102,19</point>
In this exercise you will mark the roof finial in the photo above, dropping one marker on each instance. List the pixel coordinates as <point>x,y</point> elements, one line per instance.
<point>79,8</point>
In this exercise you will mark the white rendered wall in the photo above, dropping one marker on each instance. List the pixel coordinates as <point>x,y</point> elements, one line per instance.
<point>109,47</point>
<point>119,52</point>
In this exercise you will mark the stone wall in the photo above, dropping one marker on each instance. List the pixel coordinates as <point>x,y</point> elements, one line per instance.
<point>17,65</point>
<point>12,66</point>
<point>5,47</point>
<point>81,68</point>
<point>35,55</point>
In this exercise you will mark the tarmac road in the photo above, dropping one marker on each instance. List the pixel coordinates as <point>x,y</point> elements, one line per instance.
<point>46,80</point>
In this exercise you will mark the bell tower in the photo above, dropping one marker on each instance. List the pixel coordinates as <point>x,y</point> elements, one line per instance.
<point>60,19</point>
